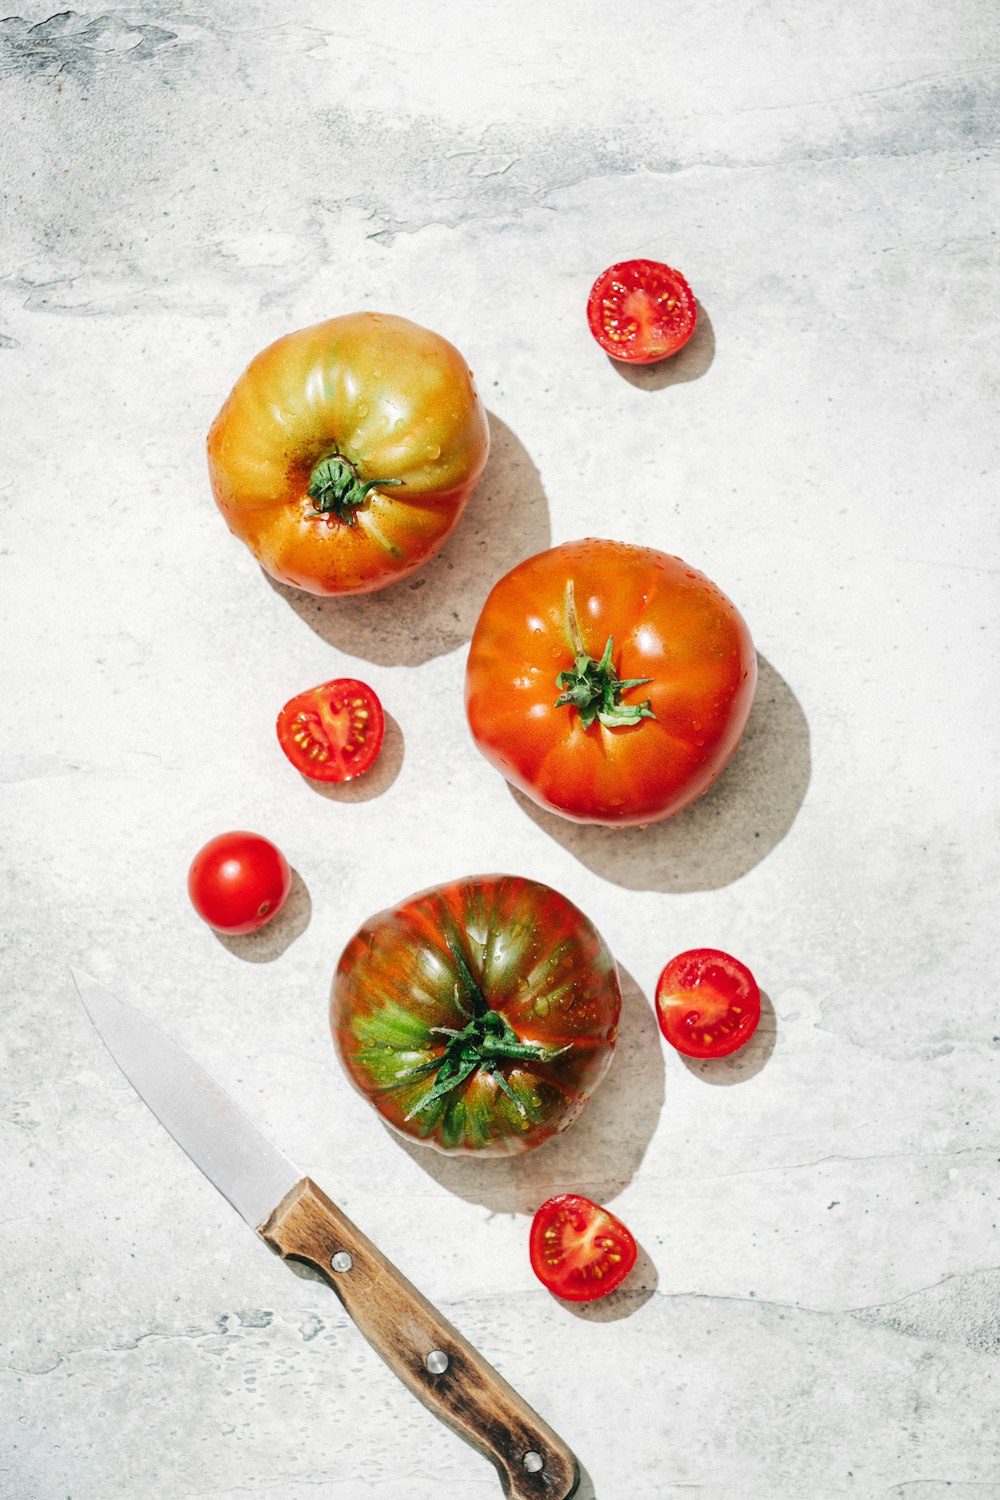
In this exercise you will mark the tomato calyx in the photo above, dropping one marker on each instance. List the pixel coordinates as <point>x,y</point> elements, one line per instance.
<point>336,488</point>
<point>594,688</point>
<point>485,1042</point>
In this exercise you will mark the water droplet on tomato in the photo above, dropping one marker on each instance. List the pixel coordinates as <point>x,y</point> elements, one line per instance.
<point>433,450</point>
<point>376,374</point>
<point>363,409</point>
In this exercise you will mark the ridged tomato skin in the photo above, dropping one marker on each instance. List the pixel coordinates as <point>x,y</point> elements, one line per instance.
<point>396,400</point>
<point>537,960</point>
<point>668,622</point>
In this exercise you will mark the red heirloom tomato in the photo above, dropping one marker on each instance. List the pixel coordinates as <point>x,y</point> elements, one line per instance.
<point>707,1003</point>
<point>239,881</point>
<point>477,1016</point>
<point>346,452</point>
<point>332,732</point>
<point>610,683</point>
<point>641,311</point>
<point>579,1250</point>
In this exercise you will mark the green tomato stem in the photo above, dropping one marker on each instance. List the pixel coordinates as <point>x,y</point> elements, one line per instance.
<point>487,1041</point>
<point>594,688</point>
<point>336,487</point>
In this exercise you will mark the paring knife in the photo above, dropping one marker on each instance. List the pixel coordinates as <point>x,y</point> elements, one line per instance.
<point>298,1220</point>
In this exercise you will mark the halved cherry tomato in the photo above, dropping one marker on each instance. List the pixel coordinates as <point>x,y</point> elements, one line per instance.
<point>579,1250</point>
<point>332,732</point>
<point>641,311</point>
<point>707,1003</point>
<point>238,881</point>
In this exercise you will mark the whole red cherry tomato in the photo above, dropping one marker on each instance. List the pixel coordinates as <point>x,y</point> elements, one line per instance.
<point>641,311</point>
<point>477,1016</point>
<point>579,1250</point>
<point>611,683</point>
<point>707,1003</point>
<point>239,881</point>
<point>346,452</point>
<point>332,732</point>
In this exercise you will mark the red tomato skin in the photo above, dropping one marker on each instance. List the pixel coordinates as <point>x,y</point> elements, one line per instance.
<point>718,980</point>
<point>644,347</point>
<point>669,623</point>
<point>573,1212</point>
<point>238,882</point>
<point>368,734</point>
<point>396,399</point>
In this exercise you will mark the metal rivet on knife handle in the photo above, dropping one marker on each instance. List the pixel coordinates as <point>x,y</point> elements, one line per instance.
<point>533,1462</point>
<point>437,1361</point>
<point>341,1261</point>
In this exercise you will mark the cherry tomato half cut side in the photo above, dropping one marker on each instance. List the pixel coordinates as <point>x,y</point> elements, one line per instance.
<point>239,881</point>
<point>332,732</point>
<point>579,1250</point>
<point>707,1003</point>
<point>641,311</point>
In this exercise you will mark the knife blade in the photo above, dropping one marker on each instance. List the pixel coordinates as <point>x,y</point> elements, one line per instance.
<point>297,1220</point>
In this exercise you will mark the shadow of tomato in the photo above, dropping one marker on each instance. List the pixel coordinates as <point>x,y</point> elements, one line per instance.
<point>434,611</point>
<point>639,1285</point>
<point>726,832</point>
<point>370,784</point>
<point>748,1061</point>
<point>598,1155</point>
<point>269,942</point>
<point>691,363</point>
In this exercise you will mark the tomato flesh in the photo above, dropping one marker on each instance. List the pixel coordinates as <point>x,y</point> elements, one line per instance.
<point>579,1250</point>
<point>707,1003</point>
<point>239,881</point>
<point>332,732</point>
<point>641,311</point>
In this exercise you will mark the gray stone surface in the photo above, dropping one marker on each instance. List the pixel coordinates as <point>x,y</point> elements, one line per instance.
<point>815,1313</point>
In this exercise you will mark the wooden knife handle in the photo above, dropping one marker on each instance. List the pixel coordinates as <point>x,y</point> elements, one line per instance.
<point>416,1341</point>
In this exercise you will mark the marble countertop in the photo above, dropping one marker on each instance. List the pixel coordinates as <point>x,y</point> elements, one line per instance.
<point>816,1310</point>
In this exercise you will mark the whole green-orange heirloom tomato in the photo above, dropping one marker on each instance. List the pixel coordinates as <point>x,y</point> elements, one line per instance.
<point>477,1016</point>
<point>346,452</point>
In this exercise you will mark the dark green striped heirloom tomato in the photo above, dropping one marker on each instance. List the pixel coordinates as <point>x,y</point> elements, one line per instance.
<point>477,1016</point>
